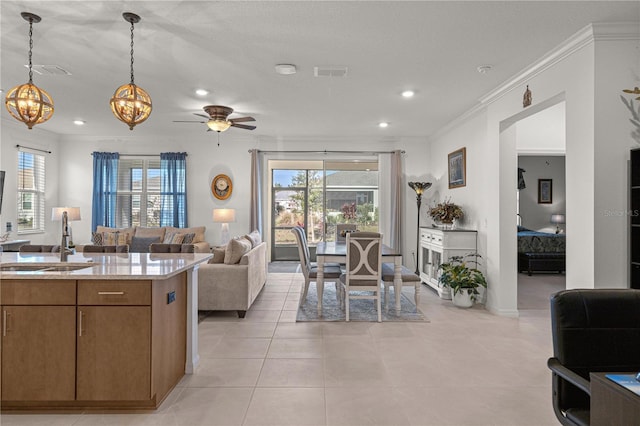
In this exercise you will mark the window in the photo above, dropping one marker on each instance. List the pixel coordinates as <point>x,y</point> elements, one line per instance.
<point>138,199</point>
<point>31,182</point>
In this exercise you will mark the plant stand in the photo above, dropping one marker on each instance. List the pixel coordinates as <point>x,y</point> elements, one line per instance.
<point>462,299</point>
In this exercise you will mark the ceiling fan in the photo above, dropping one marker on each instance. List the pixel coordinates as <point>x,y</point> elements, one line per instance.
<point>217,119</point>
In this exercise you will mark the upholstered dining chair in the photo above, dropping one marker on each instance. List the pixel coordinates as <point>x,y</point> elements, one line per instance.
<point>310,272</point>
<point>171,248</point>
<point>36,248</point>
<point>342,227</point>
<point>123,248</point>
<point>408,277</point>
<point>364,269</point>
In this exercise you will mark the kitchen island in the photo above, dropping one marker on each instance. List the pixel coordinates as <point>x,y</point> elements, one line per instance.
<point>97,331</point>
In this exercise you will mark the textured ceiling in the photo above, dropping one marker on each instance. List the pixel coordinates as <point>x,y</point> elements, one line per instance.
<point>230,48</point>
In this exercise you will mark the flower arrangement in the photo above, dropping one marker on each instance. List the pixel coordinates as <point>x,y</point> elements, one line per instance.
<point>446,212</point>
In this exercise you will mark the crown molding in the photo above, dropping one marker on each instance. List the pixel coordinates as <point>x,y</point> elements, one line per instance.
<point>599,31</point>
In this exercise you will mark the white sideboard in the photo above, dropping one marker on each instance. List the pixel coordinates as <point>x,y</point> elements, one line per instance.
<point>437,246</point>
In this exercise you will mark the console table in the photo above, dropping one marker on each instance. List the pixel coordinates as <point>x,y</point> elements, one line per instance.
<point>13,245</point>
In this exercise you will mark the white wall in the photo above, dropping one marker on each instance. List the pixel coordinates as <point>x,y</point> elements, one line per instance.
<point>537,216</point>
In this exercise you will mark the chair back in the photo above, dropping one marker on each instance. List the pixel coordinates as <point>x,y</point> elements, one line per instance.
<point>303,250</point>
<point>594,330</point>
<point>124,248</point>
<point>35,248</point>
<point>340,228</point>
<point>364,258</point>
<point>171,248</point>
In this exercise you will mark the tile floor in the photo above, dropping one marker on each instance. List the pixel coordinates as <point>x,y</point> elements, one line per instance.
<point>464,367</point>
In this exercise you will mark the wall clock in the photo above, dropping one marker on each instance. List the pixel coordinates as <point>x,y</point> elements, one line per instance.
<point>221,187</point>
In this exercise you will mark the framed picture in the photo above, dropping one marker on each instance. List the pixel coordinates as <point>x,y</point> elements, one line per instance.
<point>545,191</point>
<point>458,168</point>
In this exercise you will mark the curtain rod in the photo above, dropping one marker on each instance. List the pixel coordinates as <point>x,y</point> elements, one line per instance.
<point>33,149</point>
<point>141,155</point>
<point>328,152</point>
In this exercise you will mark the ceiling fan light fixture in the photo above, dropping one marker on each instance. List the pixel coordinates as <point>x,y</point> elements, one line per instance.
<point>219,125</point>
<point>27,102</point>
<point>286,69</point>
<point>131,104</point>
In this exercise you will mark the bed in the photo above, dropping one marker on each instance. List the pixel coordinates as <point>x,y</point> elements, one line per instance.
<point>540,251</point>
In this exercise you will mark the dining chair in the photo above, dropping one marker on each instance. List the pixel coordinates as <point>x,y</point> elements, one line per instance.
<point>37,248</point>
<point>340,228</point>
<point>331,272</point>
<point>408,276</point>
<point>171,248</point>
<point>123,248</point>
<point>364,269</point>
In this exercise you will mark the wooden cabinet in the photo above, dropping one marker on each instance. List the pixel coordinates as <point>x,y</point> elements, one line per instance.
<point>38,340</point>
<point>634,225</point>
<point>120,344</point>
<point>437,246</point>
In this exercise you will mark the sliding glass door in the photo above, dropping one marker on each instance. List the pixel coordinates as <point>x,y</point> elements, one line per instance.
<point>318,195</point>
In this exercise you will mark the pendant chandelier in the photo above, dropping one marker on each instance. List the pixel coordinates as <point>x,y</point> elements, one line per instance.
<point>131,104</point>
<point>27,102</point>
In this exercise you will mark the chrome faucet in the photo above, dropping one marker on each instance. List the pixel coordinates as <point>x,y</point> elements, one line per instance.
<point>64,250</point>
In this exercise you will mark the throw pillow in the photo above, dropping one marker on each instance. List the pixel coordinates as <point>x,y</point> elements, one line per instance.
<point>114,239</point>
<point>218,255</point>
<point>254,237</point>
<point>173,238</point>
<point>188,238</point>
<point>96,238</point>
<point>235,250</point>
<point>141,244</point>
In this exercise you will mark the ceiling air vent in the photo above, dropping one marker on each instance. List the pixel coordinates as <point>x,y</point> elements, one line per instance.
<point>330,71</point>
<point>49,70</point>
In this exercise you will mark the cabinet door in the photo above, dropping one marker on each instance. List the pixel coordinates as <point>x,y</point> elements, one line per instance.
<point>38,353</point>
<point>114,353</point>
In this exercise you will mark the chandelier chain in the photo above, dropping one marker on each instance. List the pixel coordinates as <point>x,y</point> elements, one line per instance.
<point>30,49</point>
<point>132,52</point>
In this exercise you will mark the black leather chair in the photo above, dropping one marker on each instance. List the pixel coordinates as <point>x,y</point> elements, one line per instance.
<point>593,331</point>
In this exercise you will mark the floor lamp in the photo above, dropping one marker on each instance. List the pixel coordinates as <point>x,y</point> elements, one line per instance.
<point>419,187</point>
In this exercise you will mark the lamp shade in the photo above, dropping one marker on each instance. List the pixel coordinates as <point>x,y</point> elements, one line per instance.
<point>224,215</point>
<point>73,213</point>
<point>557,218</point>
<point>219,125</point>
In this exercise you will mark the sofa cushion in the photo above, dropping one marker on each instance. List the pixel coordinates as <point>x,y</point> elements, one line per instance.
<point>198,230</point>
<point>142,244</point>
<point>188,238</point>
<point>96,238</point>
<point>115,239</point>
<point>218,255</point>
<point>235,250</point>
<point>122,231</point>
<point>173,238</point>
<point>146,232</point>
<point>254,237</point>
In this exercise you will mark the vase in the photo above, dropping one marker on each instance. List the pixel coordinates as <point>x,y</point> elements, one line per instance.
<point>444,291</point>
<point>462,298</point>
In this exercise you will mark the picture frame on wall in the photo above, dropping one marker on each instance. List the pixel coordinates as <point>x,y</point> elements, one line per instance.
<point>545,191</point>
<point>458,168</point>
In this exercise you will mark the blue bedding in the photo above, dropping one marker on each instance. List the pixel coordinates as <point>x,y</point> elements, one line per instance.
<point>540,242</point>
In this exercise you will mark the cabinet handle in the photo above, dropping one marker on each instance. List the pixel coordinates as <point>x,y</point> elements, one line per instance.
<point>4,322</point>
<point>111,293</point>
<point>80,315</point>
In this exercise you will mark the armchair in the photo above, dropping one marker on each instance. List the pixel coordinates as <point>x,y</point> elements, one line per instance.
<point>592,331</point>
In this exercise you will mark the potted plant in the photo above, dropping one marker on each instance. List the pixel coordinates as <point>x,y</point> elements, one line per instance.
<point>462,276</point>
<point>446,212</point>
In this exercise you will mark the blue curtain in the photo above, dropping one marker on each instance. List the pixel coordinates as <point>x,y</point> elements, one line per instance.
<point>173,189</point>
<point>105,186</point>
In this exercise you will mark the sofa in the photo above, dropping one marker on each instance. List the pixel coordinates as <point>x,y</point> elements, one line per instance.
<point>140,238</point>
<point>232,280</point>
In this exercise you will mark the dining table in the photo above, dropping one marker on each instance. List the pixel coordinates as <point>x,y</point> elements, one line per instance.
<point>337,252</point>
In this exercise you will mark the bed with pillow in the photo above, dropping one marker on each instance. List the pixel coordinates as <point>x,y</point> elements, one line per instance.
<point>540,251</point>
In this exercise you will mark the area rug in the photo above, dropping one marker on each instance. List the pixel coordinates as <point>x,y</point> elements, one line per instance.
<point>360,309</point>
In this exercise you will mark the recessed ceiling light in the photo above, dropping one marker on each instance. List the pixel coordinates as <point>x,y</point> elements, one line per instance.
<point>202,92</point>
<point>383,124</point>
<point>79,122</point>
<point>408,94</point>
<point>286,69</point>
<point>483,69</point>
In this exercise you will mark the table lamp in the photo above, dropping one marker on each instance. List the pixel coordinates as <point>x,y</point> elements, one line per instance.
<point>71,213</point>
<point>224,216</point>
<point>557,219</point>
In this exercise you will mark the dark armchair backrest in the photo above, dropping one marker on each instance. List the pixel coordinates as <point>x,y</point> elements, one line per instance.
<point>595,331</point>
<point>171,248</point>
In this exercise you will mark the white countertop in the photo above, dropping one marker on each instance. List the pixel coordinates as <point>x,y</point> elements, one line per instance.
<point>137,266</point>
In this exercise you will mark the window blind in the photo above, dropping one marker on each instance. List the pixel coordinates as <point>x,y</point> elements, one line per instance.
<point>31,192</point>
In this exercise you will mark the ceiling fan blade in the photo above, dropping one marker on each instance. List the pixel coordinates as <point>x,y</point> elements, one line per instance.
<point>190,121</point>
<point>242,119</point>
<point>243,126</point>
<point>202,115</point>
